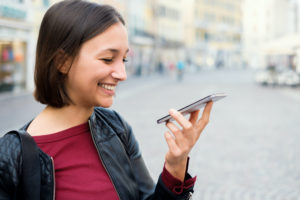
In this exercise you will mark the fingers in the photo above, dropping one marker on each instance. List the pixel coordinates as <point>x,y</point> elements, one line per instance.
<point>205,116</point>
<point>183,122</point>
<point>194,116</point>
<point>207,110</point>
<point>175,130</point>
<point>190,125</point>
<point>172,144</point>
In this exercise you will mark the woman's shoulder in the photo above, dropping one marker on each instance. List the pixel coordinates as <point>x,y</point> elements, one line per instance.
<point>10,158</point>
<point>122,128</point>
<point>105,112</point>
<point>10,146</point>
<point>110,115</point>
<point>114,120</point>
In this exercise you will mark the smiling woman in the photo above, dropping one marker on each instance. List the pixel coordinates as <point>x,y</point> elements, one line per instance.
<point>77,148</point>
<point>98,67</point>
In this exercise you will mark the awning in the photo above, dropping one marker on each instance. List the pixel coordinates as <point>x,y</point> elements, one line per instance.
<point>285,45</point>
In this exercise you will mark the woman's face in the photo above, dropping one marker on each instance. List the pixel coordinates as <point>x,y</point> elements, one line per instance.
<point>98,68</point>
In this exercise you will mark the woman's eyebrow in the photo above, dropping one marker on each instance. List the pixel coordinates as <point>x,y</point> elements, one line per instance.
<point>110,50</point>
<point>113,50</point>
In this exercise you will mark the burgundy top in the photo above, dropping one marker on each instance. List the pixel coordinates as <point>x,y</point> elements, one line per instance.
<point>79,173</point>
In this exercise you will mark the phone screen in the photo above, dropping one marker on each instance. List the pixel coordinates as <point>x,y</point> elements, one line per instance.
<point>194,106</point>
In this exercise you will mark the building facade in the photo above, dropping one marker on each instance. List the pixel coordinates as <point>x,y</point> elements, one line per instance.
<point>16,45</point>
<point>271,34</point>
<point>141,36</point>
<point>260,26</point>
<point>156,35</point>
<point>217,34</point>
<point>169,47</point>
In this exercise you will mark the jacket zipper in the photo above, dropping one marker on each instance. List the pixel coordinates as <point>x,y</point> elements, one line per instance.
<point>53,171</point>
<point>97,148</point>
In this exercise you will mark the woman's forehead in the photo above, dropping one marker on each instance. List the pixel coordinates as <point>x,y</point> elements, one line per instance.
<point>113,38</point>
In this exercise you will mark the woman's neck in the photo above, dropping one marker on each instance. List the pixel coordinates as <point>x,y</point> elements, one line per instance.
<point>52,120</point>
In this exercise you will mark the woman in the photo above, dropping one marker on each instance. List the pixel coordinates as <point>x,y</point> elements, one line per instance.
<point>84,150</point>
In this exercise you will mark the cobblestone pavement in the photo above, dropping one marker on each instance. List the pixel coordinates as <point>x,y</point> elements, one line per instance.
<point>249,151</point>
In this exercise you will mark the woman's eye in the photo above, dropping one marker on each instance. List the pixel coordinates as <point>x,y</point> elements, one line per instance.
<point>107,60</point>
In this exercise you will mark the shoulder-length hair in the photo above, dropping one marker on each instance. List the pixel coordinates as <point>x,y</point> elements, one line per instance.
<point>64,28</point>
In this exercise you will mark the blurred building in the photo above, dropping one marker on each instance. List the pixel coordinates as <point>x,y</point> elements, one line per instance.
<point>156,35</point>
<point>19,26</point>
<point>141,36</point>
<point>271,34</point>
<point>217,33</point>
<point>189,23</point>
<point>16,45</point>
<point>261,26</point>
<point>169,34</point>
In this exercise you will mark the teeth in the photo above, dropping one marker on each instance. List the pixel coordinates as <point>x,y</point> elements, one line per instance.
<point>108,87</point>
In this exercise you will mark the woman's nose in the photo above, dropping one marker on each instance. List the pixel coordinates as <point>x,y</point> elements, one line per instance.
<point>120,72</point>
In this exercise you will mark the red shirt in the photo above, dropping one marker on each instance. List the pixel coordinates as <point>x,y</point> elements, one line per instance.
<point>79,172</point>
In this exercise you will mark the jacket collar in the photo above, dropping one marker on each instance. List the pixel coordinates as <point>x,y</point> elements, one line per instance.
<point>99,122</point>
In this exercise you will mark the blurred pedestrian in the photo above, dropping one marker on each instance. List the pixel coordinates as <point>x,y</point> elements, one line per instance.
<point>180,70</point>
<point>160,67</point>
<point>77,148</point>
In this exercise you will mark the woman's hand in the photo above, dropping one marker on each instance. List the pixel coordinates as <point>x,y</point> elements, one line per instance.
<point>183,139</point>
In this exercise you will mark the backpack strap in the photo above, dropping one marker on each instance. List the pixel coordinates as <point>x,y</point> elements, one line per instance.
<point>30,181</point>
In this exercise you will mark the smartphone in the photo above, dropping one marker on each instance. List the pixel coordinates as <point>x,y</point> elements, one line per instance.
<point>194,106</point>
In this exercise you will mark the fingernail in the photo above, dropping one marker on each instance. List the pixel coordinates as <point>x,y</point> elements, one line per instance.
<point>172,111</point>
<point>168,135</point>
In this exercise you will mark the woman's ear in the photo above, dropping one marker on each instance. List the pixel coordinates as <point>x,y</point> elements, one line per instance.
<point>65,67</point>
<point>63,62</point>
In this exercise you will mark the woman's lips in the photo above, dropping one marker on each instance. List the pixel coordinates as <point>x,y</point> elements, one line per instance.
<point>108,88</point>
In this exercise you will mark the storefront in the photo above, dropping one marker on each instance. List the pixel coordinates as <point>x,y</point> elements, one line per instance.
<point>15,46</point>
<point>12,65</point>
<point>284,52</point>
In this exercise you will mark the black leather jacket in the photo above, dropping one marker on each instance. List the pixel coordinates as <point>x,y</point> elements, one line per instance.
<point>117,148</point>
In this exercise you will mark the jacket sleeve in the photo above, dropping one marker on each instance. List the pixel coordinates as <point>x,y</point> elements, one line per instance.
<point>9,166</point>
<point>147,189</point>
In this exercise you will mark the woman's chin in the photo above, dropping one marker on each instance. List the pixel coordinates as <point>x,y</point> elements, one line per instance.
<point>105,104</point>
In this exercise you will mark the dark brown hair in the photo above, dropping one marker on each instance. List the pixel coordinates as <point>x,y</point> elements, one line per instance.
<point>64,28</point>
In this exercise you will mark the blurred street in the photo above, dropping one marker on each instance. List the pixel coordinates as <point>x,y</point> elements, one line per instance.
<point>249,151</point>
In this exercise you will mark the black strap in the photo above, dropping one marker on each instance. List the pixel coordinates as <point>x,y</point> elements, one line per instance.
<point>31,177</point>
